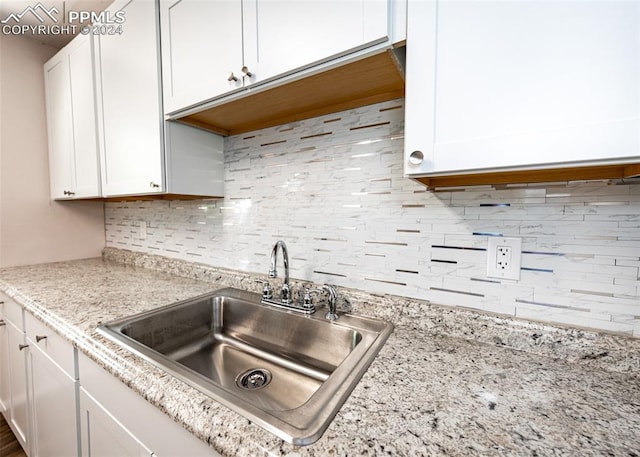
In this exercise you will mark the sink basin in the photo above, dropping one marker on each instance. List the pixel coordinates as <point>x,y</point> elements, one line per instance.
<point>286,372</point>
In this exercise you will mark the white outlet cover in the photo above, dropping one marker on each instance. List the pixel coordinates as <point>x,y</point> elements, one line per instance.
<point>512,271</point>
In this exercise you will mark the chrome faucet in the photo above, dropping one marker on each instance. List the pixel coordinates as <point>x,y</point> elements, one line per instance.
<point>332,315</point>
<point>286,295</point>
<point>273,272</point>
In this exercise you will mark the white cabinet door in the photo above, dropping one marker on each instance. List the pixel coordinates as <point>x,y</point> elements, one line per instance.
<point>117,417</point>
<point>129,103</point>
<point>521,84</point>
<point>103,435</point>
<point>52,373</point>
<point>83,111</point>
<point>201,47</point>
<point>19,403</point>
<point>212,48</point>
<point>5,387</point>
<point>53,406</point>
<point>59,125</point>
<point>282,36</point>
<point>71,121</point>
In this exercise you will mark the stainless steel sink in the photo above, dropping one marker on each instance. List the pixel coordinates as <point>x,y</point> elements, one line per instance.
<point>286,372</point>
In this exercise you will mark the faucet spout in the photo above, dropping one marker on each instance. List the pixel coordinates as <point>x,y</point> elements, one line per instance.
<point>273,271</point>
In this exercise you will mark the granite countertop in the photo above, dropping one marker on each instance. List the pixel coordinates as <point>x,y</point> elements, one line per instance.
<point>426,393</point>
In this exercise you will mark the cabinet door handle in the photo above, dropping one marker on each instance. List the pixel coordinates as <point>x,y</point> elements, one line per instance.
<point>416,158</point>
<point>40,338</point>
<point>23,346</point>
<point>232,77</point>
<point>246,72</point>
<point>2,323</point>
<point>1,302</point>
<point>154,185</point>
<point>68,192</point>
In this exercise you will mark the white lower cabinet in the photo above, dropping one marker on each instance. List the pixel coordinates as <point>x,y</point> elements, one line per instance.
<point>59,403</point>
<point>53,405</point>
<point>37,384</point>
<point>52,387</point>
<point>115,421</point>
<point>14,371</point>
<point>19,409</point>
<point>5,388</point>
<point>103,435</point>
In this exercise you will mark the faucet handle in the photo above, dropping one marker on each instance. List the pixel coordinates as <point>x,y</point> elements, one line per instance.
<point>307,299</point>
<point>267,291</point>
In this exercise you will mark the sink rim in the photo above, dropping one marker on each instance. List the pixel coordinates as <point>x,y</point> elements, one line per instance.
<point>302,425</point>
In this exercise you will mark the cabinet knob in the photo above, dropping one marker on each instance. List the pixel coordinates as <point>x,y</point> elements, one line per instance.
<point>246,72</point>
<point>416,158</point>
<point>2,323</point>
<point>232,77</point>
<point>23,346</point>
<point>68,192</point>
<point>154,185</point>
<point>40,338</point>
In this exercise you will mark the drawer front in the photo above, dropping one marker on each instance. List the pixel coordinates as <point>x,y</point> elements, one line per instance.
<point>12,311</point>
<point>48,341</point>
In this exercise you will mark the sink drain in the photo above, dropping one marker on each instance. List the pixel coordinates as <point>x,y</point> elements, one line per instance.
<point>253,379</point>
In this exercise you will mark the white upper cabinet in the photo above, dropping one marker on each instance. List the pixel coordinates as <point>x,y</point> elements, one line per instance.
<point>212,48</point>
<point>281,36</point>
<point>129,102</point>
<point>139,153</point>
<point>201,47</point>
<point>71,122</point>
<point>60,131</point>
<point>83,108</point>
<point>508,85</point>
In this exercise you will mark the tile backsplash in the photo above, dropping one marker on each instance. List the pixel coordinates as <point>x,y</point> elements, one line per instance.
<point>333,189</point>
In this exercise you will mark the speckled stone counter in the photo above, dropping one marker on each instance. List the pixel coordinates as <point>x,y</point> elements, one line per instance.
<point>447,382</point>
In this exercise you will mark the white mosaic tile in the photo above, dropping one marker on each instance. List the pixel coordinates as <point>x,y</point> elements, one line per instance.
<point>333,188</point>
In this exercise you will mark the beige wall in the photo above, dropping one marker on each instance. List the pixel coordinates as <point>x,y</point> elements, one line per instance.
<point>33,228</point>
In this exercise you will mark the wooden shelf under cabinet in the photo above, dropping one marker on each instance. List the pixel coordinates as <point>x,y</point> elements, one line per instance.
<point>534,176</point>
<point>370,80</point>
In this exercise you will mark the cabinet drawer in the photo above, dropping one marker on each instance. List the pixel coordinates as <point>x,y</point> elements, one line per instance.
<point>53,345</point>
<point>11,311</point>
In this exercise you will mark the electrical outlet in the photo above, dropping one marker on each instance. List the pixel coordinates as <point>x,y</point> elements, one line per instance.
<point>143,230</point>
<point>503,257</point>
